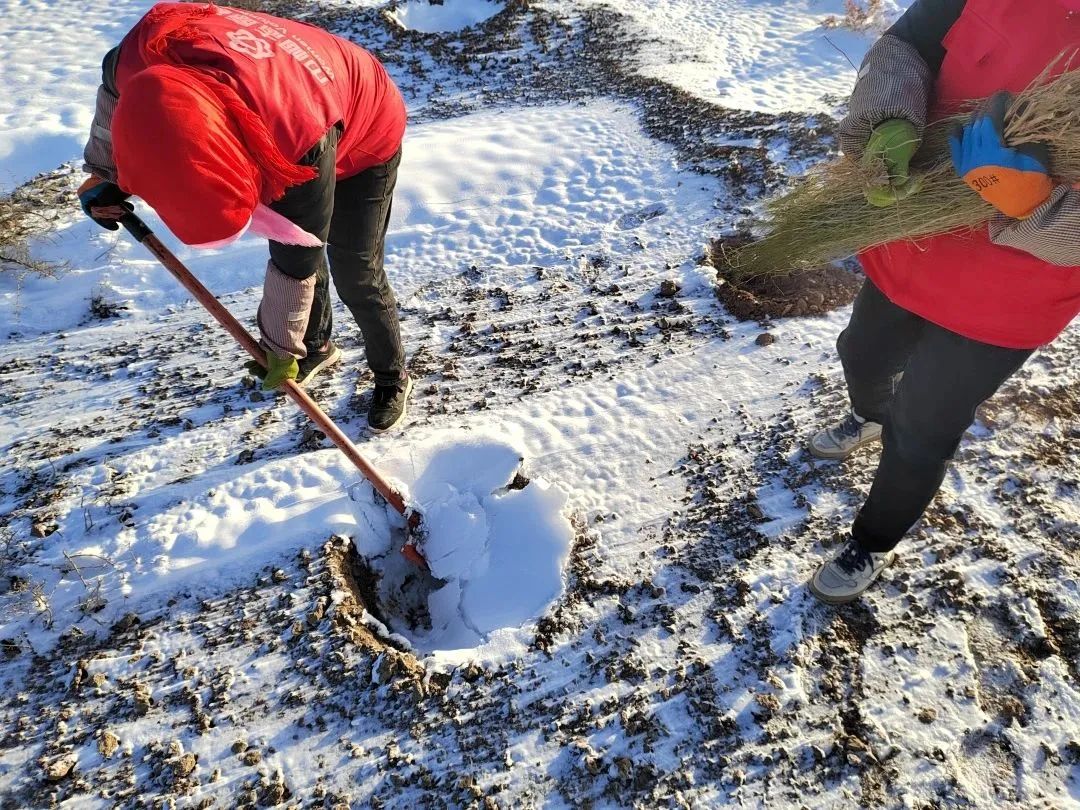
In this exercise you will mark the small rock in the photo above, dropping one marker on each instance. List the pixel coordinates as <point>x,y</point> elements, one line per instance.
<point>184,765</point>
<point>273,795</point>
<point>125,623</point>
<point>472,673</point>
<point>246,456</point>
<point>669,288</point>
<point>765,339</point>
<point>107,744</point>
<point>251,757</point>
<point>927,715</point>
<point>1012,708</point>
<point>142,699</point>
<point>60,768</point>
<point>42,529</point>
<point>279,576</point>
<point>384,669</point>
<point>240,746</point>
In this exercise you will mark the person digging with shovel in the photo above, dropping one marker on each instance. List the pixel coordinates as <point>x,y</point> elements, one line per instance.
<point>941,323</point>
<point>225,121</point>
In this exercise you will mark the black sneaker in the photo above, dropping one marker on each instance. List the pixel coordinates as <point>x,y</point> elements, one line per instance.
<point>388,405</point>
<point>316,362</point>
<point>308,367</point>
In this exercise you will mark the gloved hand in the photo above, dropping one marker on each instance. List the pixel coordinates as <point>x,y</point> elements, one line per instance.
<point>104,202</point>
<point>893,143</point>
<point>1015,180</point>
<point>278,369</point>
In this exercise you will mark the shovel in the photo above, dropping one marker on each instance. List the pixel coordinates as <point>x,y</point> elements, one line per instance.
<point>142,234</point>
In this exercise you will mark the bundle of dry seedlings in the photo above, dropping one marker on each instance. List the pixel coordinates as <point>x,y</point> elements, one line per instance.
<point>826,216</point>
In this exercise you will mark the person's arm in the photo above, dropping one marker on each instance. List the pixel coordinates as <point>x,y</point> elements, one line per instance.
<point>1052,232</point>
<point>98,154</point>
<point>289,288</point>
<point>896,79</point>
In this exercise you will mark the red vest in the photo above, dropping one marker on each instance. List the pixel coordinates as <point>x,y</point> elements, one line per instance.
<point>962,281</point>
<point>299,79</point>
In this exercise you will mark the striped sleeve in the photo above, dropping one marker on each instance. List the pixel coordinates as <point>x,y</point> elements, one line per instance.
<point>894,82</point>
<point>98,155</point>
<point>284,312</point>
<point>1051,233</point>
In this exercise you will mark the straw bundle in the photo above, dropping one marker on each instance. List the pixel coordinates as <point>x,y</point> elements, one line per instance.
<point>826,216</point>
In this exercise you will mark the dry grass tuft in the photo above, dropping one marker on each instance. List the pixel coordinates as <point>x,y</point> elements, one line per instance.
<point>30,212</point>
<point>868,15</point>
<point>826,217</point>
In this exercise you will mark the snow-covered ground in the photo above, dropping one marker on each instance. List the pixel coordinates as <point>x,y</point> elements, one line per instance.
<point>182,556</point>
<point>771,55</point>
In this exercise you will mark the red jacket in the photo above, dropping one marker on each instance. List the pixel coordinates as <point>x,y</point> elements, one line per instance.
<point>299,79</point>
<point>962,281</point>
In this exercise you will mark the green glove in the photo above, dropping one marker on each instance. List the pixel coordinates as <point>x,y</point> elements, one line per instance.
<point>891,147</point>
<point>277,370</point>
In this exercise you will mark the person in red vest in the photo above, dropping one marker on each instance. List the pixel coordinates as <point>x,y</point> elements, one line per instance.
<point>941,323</point>
<point>225,121</point>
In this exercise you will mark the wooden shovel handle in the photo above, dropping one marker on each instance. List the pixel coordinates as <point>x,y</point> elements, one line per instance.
<point>139,230</point>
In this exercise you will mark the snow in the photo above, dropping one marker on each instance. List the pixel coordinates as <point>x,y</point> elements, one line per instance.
<point>500,553</point>
<point>770,56</point>
<point>48,45</point>
<point>622,630</point>
<point>439,16</point>
<point>524,189</point>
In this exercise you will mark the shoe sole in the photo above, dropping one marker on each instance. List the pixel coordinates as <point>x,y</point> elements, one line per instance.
<point>328,361</point>
<point>830,599</point>
<point>404,413</point>
<point>829,455</point>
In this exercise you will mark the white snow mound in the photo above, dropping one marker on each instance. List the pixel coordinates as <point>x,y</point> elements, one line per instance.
<point>501,552</point>
<point>440,17</point>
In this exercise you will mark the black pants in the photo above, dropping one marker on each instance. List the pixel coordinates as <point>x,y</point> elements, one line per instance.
<point>352,217</point>
<point>923,384</point>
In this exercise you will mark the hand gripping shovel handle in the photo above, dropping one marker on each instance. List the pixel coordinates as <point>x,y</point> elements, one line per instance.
<point>138,229</point>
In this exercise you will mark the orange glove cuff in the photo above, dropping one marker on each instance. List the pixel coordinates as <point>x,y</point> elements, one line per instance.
<point>1014,193</point>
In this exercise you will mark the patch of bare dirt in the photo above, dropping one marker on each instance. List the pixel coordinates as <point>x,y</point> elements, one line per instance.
<point>795,294</point>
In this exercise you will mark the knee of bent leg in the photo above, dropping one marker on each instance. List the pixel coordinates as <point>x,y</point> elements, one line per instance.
<point>854,360</point>
<point>918,438</point>
<point>344,259</point>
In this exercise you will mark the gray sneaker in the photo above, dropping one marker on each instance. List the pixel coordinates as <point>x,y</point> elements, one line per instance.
<point>844,439</point>
<point>850,572</point>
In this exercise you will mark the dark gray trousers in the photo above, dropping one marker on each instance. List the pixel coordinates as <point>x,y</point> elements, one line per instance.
<point>351,216</point>
<point>923,383</point>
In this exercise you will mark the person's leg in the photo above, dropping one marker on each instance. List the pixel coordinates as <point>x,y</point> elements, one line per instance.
<point>321,324</point>
<point>874,349</point>
<point>310,205</point>
<point>945,380</point>
<point>355,247</point>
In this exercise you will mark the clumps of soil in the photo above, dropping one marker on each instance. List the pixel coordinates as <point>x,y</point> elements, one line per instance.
<point>354,578</point>
<point>798,293</point>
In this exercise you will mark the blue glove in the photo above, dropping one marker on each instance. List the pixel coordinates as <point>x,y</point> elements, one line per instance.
<point>98,193</point>
<point>1015,180</point>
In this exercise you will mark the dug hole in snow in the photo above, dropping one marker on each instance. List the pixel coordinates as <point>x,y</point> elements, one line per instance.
<point>443,16</point>
<point>496,544</point>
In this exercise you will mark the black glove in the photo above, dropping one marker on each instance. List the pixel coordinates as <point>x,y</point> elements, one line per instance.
<point>98,193</point>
